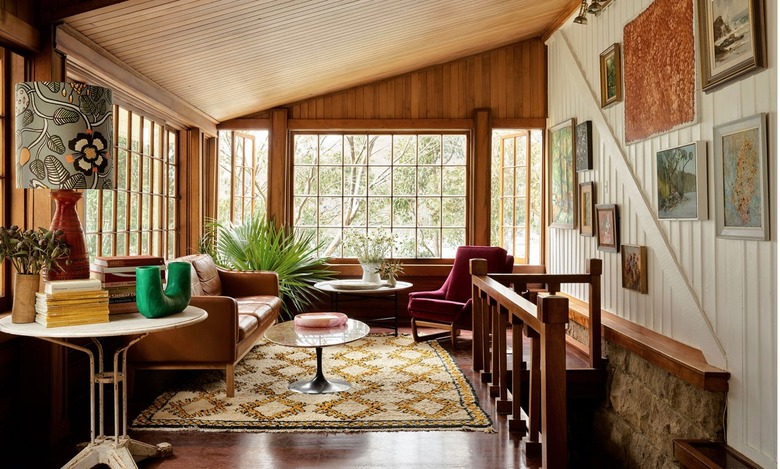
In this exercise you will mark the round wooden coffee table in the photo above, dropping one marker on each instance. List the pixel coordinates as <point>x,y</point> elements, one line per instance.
<point>290,335</point>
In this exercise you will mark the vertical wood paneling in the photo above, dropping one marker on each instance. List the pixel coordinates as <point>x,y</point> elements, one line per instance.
<point>511,81</point>
<point>734,281</point>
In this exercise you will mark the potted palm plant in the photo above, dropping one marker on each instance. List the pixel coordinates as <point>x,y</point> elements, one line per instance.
<point>30,252</point>
<point>258,244</point>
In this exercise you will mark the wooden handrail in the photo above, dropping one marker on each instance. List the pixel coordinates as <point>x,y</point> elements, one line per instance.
<point>497,302</point>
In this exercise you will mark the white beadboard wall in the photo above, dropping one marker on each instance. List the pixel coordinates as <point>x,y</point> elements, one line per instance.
<point>715,294</point>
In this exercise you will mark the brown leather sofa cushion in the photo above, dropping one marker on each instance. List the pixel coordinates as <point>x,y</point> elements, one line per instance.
<point>247,323</point>
<point>204,275</point>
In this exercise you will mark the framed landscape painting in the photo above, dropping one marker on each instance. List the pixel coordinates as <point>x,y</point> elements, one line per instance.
<point>681,181</point>
<point>607,228</point>
<point>732,35</point>
<point>741,179</point>
<point>611,76</point>
<point>563,180</point>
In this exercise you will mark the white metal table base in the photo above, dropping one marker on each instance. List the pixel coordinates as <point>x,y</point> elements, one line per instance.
<point>118,451</point>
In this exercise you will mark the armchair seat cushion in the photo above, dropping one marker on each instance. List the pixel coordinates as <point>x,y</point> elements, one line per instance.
<point>435,310</point>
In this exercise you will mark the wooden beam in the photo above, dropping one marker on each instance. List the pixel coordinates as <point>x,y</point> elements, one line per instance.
<point>479,188</point>
<point>245,124</point>
<point>381,124</point>
<point>61,9</point>
<point>519,123</point>
<point>573,6</point>
<point>19,33</point>
<point>279,169</point>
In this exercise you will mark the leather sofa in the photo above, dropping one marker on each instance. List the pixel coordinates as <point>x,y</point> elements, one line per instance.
<point>240,306</point>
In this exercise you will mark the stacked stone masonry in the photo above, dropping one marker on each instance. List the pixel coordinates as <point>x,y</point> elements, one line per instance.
<point>646,408</point>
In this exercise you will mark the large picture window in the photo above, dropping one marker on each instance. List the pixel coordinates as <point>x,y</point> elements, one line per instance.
<point>139,215</point>
<point>411,185</point>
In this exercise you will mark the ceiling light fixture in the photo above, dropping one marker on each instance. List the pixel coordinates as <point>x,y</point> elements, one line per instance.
<point>595,8</point>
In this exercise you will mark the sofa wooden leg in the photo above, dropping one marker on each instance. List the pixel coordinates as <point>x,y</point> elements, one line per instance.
<point>230,380</point>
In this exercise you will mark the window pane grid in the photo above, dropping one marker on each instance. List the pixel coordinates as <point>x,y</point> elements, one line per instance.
<point>242,175</point>
<point>401,183</point>
<point>138,215</point>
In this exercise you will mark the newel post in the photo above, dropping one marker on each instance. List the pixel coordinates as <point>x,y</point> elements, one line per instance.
<point>594,305</point>
<point>553,312</point>
<point>478,316</point>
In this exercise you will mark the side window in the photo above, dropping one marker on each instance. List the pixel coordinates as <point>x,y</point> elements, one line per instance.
<point>138,216</point>
<point>242,184</point>
<point>518,186</point>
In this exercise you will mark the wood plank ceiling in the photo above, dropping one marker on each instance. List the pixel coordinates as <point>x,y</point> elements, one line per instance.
<point>231,58</point>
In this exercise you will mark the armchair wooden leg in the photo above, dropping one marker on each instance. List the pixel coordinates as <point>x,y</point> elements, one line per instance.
<point>230,380</point>
<point>423,338</point>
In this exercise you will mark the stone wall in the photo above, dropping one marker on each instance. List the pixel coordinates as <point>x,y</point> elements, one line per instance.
<point>645,409</point>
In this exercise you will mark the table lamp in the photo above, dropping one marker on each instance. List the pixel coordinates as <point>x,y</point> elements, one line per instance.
<point>64,137</point>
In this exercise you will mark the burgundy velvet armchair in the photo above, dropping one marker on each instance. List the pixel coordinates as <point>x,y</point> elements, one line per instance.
<point>449,307</point>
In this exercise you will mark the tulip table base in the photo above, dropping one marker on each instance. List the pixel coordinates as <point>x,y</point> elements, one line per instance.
<point>319,384</point>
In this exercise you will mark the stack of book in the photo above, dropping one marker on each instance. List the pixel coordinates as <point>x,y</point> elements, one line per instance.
<point>71,303</point>
<point>117,277</point>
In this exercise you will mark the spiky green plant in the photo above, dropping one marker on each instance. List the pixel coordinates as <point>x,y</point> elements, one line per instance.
<point>258,244</point>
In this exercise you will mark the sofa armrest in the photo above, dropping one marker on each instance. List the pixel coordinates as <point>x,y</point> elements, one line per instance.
<point>237,284</point>
<point>211,340</point>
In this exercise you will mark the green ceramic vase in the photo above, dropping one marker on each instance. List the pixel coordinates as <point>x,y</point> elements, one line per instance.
<point>150,298</point>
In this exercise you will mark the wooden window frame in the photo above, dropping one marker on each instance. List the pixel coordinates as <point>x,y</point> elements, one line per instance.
<point>153,149</point>
<point>338,252</point>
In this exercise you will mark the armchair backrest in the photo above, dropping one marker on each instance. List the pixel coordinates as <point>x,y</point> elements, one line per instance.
<point>457,287</point>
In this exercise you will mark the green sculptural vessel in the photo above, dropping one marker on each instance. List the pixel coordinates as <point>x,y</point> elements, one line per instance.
<point>150,298</point>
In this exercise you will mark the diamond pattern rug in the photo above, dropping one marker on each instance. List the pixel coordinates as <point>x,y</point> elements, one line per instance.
<point>397,385</point>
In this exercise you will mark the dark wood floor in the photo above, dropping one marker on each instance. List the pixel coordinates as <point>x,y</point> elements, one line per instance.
<point>446,449</point>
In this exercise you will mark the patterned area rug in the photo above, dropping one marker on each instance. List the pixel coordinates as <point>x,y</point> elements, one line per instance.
<point>397,385</point>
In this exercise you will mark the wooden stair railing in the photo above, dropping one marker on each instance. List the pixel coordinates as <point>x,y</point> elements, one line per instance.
<point>496,304</point>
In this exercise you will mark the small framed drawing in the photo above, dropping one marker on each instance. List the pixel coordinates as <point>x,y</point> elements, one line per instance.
<point>611,76</point>
<point>634,260</point>
<point>563,179</point>
<point>587,200</point>
<point>583,146</point>
<point>732,35</point>
<point>607,230</point>
<point>681,182</point>
<point>741,179</point>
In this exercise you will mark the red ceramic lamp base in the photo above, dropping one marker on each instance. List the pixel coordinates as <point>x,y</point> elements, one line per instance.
<point>66,218</point>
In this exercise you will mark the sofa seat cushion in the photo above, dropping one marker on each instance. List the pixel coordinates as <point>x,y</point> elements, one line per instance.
<point>261,306</point>
<point>247,323</point>
<point>434,309</point>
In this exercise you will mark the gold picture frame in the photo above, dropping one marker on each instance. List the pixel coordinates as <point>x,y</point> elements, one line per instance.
<point>562,194</point>
<point>611,76</point>
<point>587,201</point>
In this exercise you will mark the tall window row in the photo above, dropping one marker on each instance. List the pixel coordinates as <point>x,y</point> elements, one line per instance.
<point>410,185</point>
<point>242,184</point>
<point>139,215</point>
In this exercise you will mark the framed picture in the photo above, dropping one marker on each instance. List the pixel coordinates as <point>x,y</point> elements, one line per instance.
<point>607,229</point>
<point>741,179</point>
<point>583,134</point>
<point>587,201</point>
<point>634,261</point>
<point>681,182</point>
<point>562,201</point>
<point>611,76</point>
<point>732,35</point>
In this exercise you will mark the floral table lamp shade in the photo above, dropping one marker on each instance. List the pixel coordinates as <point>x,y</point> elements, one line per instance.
<point>64,140</point>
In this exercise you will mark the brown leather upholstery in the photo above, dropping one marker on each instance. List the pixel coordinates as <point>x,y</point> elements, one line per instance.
<point>241,306</point>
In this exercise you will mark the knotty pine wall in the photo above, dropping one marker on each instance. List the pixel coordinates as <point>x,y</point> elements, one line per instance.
<point>715,294</point>
<point>510,81</point>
